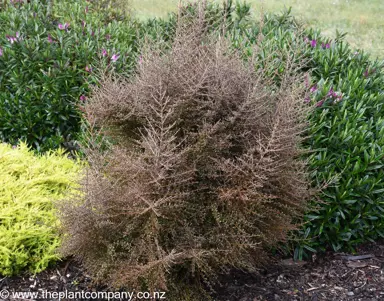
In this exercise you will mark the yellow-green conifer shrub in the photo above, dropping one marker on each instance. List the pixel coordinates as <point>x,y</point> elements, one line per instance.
<point>29,185</point>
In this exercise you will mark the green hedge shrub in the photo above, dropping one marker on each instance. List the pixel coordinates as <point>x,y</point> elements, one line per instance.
<point>347,135</point>
<point>28,225</point>
<point>50,52</point>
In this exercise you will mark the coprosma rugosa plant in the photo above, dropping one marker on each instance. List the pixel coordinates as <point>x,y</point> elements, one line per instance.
<point>205,172</point>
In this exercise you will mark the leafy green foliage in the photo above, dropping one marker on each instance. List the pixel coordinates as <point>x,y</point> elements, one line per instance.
<point>28,186</point>
<point>50,55</point>
<point>347,138</point>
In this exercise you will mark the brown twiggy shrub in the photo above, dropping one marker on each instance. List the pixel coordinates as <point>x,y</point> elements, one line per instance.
<point>206,172</point>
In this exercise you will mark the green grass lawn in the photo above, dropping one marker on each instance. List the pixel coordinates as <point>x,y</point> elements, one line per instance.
<point>362,19</point>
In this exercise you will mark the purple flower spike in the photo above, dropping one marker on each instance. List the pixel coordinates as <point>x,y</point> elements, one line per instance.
<point>86,9</point>
<point>307,100</point>
<point>306,39</point>
<point>366,73</point>
<point>313,43</point>
<point>83,23</point>
<point>83,98</point>
<point>339,98</point>
<point>313,89</point>
<point>50,40</point>
<point>115,57</point>
<point>88,69</point>
<point>104,53</point>
<point>63,26</point>
<point>1,51</point>
<point>334,95</point>
<point>325,46</point>
<point>320,103</point>
<point>11,39</point>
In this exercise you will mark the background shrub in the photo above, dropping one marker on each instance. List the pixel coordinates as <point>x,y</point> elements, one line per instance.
<point>50,54</point>
<point>347,137</point>
<point>205,173</point>
<point>345,132</point>
<point>28,225</point>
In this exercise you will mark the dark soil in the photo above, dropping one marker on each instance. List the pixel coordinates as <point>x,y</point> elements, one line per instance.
<point>334,276</point>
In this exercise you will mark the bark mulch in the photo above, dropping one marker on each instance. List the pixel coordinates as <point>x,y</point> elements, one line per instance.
<point>333,276</point>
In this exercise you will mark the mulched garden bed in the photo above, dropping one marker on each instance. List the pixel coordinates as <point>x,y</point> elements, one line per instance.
<point>334,276</point>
